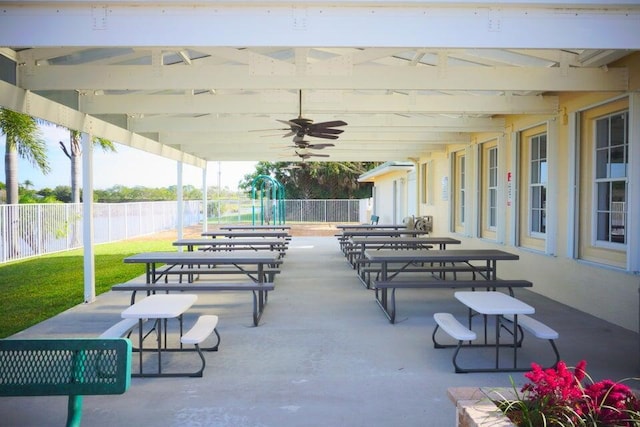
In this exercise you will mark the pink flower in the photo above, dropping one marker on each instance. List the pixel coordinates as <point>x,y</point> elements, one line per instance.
<point>558,396</point>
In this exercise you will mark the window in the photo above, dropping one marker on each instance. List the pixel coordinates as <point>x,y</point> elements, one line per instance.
<point>426,178</point>
<point>492,181</point>
<point>532,187</point>
<point>611,162</point>
<point>488,190</point>
<point>458,191</point>
<point>461,209</point>
<point>538,185</point>
<point>604,187</point>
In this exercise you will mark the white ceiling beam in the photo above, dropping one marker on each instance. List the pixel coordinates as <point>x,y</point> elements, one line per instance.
<point>387,123</point>
<point>249,138</point>
<point>510,24</point>
<point>256,104</point>
<point>34,105</point>
<point>362,77</point>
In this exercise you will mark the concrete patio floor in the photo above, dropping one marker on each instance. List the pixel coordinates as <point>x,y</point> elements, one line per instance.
<point>323,355</point>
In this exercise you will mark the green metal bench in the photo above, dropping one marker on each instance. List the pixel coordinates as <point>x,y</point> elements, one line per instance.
<point>70,366</point>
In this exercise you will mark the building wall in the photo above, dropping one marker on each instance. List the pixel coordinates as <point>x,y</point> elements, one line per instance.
<point>606,284</point>
<point>384,196</point>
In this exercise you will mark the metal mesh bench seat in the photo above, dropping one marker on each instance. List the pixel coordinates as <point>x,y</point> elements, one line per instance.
<point>71,366</point>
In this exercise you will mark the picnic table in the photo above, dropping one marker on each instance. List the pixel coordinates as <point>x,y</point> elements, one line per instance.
<point>255,227</point>
<point>371,226</point>
<point>347,234</point>
<point>429,262</point>
<point>440,257</point>
<point>360,244</point>
<point>233,234</point>
<point>159,308</point>
<point>497,305</point>
<point>227,244</point>
<point>254,265</point>
<point>261,268</point>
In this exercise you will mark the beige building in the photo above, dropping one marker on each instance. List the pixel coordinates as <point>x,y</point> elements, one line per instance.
<point>562,191</point>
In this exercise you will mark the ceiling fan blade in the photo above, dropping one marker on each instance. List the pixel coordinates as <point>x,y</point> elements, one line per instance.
<point>319,146</point>
<point>301,126</point>
<point>322,135</point>
<point>291,123</point>
<point>332,124</point>
<point>326,130</point>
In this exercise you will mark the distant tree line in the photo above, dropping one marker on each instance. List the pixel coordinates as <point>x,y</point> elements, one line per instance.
<point>115,194</point>
<point>315,180</point>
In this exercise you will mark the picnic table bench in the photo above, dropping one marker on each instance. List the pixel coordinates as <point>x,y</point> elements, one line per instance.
<point>388,305</point>
<point>259,290</point>
<point>70,366</point>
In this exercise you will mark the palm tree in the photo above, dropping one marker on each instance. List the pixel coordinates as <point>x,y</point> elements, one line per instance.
<point>22,139</point>
<point>74,153</point>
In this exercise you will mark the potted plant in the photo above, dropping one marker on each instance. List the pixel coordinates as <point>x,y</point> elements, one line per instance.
<point>562,397</point>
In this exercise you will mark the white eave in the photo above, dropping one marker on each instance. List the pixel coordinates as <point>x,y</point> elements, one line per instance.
<point>385,168</point>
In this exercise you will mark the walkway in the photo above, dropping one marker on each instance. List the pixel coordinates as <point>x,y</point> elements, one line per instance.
<point>324,355</point>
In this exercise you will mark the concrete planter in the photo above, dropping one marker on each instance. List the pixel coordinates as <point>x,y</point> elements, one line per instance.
<point>474,406</point>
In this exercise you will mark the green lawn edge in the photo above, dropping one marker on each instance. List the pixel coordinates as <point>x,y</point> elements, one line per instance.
<point>39,288</point>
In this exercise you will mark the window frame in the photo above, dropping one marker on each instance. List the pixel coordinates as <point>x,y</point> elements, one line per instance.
<point>595,210</point>
<point>541,184</point>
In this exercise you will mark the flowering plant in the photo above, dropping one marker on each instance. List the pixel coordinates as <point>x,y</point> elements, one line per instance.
<point>557,397</point>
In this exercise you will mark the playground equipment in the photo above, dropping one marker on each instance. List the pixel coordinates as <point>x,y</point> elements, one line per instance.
<point>271,208</point>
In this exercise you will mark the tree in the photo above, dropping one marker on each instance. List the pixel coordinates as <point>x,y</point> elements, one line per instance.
<point>22,139</point>
<point>74,153</point>
<point>315,180</point>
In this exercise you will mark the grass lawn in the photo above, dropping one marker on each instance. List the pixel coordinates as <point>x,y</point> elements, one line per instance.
<point>39,288</point>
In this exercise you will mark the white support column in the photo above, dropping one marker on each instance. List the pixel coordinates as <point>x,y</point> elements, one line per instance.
<point>552,189</point>
<point>205,207</point>
<point>471,189</point>
<point>633,182</point>
<point>501,213</point>
<point>572,206</point>
<point>514,229</point>
<point>87,215</point>
<point>180,201</point>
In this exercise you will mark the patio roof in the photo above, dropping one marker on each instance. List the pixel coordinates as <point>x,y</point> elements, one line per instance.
<point>208,81</point>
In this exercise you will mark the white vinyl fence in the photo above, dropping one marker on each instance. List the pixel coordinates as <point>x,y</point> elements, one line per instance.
<point>36,229</point>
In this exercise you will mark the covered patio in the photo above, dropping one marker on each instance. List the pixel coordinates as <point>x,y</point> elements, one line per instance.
<point>324,354</point>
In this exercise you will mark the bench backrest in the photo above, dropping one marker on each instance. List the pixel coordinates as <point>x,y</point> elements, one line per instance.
<point>70,366</point>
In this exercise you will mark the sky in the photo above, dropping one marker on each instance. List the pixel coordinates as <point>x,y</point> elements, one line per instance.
<point>128,167</point>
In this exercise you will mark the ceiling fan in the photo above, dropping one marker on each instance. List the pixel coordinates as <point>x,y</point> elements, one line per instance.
<point>303,154</point>
<point>301,127</point>
<point>306,145</point>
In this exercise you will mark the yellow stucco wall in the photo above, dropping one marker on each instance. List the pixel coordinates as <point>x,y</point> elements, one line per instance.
<point>608,292</point>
